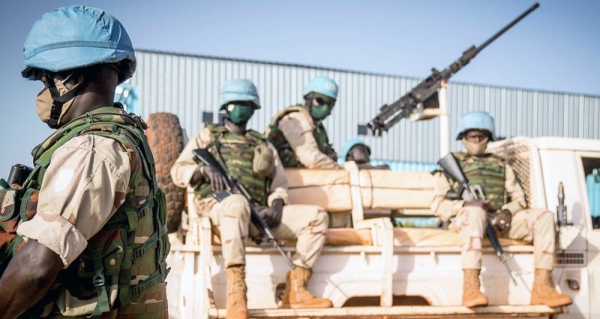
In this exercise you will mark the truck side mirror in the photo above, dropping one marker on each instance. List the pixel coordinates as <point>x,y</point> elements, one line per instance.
<point>561,209</point>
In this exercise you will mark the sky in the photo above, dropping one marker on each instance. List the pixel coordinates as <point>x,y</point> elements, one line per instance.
<point>555,48</point>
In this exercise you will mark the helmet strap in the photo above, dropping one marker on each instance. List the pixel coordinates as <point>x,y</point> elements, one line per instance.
<point>60,100</point>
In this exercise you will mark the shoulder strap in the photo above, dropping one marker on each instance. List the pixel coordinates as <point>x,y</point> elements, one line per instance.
<point>286,111</point>
<point>256,135</point>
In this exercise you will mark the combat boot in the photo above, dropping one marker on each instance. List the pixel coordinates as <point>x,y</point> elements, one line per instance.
<point>543,292</point>
<point>472,296</point>
<point>296,295</point>
<point>236,293</point>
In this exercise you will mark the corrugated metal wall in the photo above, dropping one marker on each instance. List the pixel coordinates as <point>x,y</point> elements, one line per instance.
<point>189,85</point>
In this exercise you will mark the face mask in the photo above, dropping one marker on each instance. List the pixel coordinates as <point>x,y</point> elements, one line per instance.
<point>45,101</point>
<point>319,112</point>
<point>239,114</point>
<point>475,149</point>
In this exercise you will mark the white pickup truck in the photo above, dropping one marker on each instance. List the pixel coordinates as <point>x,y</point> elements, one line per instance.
<point>370,269</point>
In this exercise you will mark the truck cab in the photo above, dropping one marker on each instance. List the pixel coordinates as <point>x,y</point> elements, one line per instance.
<point>371,269</point>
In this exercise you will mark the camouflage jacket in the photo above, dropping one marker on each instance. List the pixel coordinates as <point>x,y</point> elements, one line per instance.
<point>121,270</point>
<point>236,152</point>
<point>298,150</point>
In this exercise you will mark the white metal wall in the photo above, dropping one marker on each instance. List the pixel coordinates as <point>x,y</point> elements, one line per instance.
<point>188,85</point>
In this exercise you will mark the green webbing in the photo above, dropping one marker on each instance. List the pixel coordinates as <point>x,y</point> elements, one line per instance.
<point>150,244</point>
<point>24,201</point>
<point>125,272</point>
<point>102,306</point>
<point>44,160</point>
<point>157,277</point>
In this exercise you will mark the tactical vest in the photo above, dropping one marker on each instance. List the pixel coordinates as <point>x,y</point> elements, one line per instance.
<point>125,261</point>
<point>286,154</point>
<point>235,152</point>
<point>488,171</point>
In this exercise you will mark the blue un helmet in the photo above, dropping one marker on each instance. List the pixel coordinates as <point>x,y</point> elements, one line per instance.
<point>349,145</point>
<point>323,85</point>
<point>76,37</point>
<point>239,90</point>
<point>476,120</point>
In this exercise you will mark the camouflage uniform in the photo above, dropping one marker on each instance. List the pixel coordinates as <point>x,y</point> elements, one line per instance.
<point>231,217</point>
<point>289,132</point>
<point>101,158</point>
<point>500,185</point>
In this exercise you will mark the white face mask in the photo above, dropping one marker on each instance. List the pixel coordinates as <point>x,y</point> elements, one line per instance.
<point>475,149</point>
<point>45,102</point>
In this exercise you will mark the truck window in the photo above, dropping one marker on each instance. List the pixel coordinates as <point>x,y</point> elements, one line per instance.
<point>591,168</point>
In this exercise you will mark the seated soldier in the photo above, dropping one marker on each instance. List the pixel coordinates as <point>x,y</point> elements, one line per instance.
<point>253,162</point>
<point>298,133</point>
<point>506,207</point>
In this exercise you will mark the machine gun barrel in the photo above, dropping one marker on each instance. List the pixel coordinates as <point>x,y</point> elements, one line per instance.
<point>425,93</point>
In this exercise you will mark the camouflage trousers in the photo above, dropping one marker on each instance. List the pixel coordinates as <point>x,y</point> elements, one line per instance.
<point>307,224</point>
<point>529,225</point>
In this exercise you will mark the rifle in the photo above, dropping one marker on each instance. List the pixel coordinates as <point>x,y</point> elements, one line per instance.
<point>208,159</point>
<point>468,192</point>
<point>18,174</point>
<point>425,95</point>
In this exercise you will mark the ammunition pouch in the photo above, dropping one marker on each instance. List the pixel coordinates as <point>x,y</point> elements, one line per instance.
<point>262,163</point>
<point>11,213</point>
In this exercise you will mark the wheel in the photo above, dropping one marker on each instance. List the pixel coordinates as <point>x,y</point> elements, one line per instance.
<point>166,142</point>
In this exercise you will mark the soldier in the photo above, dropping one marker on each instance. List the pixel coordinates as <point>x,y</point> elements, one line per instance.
<point>356,150</point>
<point>253,161</point>
<point>297,132</point>
<point>93,240</point>
<point>505,204</point>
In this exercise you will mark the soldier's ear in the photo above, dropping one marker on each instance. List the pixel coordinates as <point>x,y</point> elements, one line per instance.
<point>74,80</point>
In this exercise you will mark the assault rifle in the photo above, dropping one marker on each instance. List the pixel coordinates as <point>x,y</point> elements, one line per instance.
<point>425,95</point>
<point>208,159</point>
<point>18,174</point>
<point>468,192</point>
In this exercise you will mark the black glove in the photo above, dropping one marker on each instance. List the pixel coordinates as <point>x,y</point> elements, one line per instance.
<point>503,220</point>
<point>272,215</point>
<point>217,180</point>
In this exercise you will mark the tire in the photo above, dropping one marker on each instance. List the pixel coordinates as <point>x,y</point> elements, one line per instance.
<point>166,143</point>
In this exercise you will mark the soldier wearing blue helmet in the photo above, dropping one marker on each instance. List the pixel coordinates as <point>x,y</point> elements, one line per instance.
<point>358,151</point>
<point>505,203</point>
<point>90,237</point>
<point>298,132</point>
<point>252,161</point>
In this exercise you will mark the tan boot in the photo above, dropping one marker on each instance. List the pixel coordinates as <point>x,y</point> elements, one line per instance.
<point>543,292</point>
<point>236,293</point>
<point>297,296</point>
<point>472,296</point>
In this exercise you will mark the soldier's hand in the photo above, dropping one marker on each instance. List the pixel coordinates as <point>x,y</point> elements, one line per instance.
<point>483,204</point>
<point>272,215</point>
<point>217,180</point>
<point>503,220</point>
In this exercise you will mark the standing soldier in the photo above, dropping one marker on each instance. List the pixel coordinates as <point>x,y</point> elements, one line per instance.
<point>505,204</point>
<point>253,162</point>
<point>297,132</point>
<point>92,241</point>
